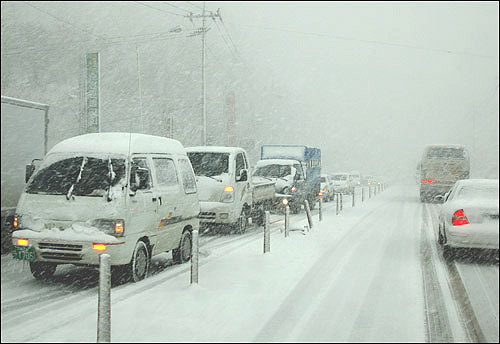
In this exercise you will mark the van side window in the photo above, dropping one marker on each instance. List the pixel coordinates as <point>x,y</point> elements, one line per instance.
<point>141,163</point>
<point>240,164</point>
<point>166,174</point>
<point>187,175</point>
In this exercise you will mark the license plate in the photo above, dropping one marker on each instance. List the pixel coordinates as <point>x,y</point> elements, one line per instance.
<point>24,253</point>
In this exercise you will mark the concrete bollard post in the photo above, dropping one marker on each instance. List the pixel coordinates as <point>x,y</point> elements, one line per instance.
<point>308,213</point>
<point>104,300</point>
<point>320,210</point>
<point>353,196</point>
<point>267,236</point>
<point>337,201</point>
<point>370,191</point>
<point>287,220</point>
<point>362,194</point>
<point>341,201</point>
<point>194,258</point>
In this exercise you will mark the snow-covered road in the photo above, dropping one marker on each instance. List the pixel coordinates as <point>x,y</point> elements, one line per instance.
<point>372,273</point>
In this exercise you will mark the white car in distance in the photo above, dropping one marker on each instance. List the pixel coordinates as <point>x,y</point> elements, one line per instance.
<point>468,218</point>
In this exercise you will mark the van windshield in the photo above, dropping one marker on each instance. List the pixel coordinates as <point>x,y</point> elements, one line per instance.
<point>446,153</point>
<point>80,176</point>
<point>208,163</point>
<point>273,171</point>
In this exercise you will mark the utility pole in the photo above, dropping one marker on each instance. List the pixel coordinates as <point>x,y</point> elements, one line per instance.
<point>203,79</point>
<point>204,108</point>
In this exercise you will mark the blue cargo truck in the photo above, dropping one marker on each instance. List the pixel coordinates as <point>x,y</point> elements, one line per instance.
<point>296,170</point>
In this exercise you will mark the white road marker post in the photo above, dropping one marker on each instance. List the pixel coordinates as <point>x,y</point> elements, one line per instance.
<point>104,300</point>
<point>308,213</point>
<point>353,194</point>
<point>362,194</point>
<point>267,236</point>
<point>341,201</point>
<point>319,210</point>
<point>370,191</point>
<point>287,220</point>
<point>194,258</point>
<point>337,201</point>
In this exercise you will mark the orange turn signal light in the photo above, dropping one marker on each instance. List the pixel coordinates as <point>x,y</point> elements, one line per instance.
<point>22,242</point>
<point>228,188</point>
<point>99,247</point>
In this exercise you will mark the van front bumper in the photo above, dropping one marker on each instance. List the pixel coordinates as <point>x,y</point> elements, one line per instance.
<point>74,252</point>
<point>218,212</point>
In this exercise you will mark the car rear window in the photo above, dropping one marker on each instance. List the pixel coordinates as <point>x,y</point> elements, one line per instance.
<point>489,192</point>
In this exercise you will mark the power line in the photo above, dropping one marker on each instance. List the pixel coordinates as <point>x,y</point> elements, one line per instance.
<point>61,20</point>
<point>228,35</point>
<point>368,41</point>
<point>198,7</point>
<point>183,9</point>
<point>154,8</point>
<point>225,41</point>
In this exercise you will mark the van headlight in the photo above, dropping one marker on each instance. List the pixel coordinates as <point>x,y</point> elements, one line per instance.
<point>115,227</point>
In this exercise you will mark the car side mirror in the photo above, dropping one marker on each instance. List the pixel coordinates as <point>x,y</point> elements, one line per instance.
<point>243,177</point>
<point>439,198</point>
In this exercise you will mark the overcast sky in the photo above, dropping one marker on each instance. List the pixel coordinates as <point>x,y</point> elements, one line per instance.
<point>381,79</point>
<point>373,81</point>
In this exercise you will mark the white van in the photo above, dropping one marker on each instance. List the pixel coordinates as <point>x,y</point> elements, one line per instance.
<point>131,196</point>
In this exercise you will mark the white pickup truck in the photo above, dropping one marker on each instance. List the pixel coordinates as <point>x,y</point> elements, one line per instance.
<point>228,195</point>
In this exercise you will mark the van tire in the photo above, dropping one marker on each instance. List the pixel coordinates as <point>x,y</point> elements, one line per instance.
<point>42,270</point>
<point>183,253</point>
<point>141,260</point>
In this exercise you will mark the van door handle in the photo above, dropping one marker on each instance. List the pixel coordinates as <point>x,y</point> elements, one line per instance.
<point>154,199</point>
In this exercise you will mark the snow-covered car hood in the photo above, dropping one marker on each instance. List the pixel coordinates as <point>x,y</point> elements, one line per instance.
<point>42,213</point>
<point>210,189</point>
<point>280,183</point>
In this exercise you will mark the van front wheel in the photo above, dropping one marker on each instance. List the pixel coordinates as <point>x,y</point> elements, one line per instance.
<point>42,270</point>
<point>182,254</point>
<point>139,266</point>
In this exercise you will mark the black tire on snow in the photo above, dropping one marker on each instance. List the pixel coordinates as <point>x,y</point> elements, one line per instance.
<point>138,267</point>
<point>448,253</point>
<point>182,254</point>
<point>42,270</point>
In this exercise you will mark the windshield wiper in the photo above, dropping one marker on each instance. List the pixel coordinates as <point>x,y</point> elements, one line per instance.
<point>110,179</point>
<point>70,191</point>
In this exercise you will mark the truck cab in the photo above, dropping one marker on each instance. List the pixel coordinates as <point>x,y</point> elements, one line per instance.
<point>224,185</point>
<point>306,184</point>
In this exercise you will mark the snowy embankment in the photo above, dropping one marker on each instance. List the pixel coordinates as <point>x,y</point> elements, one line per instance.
<point>240,295</point>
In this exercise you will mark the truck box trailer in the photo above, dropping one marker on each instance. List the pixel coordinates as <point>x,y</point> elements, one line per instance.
<point>24,138</point>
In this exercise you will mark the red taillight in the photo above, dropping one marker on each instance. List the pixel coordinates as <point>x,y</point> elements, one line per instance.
<point>424,180</point>
<point>430,180</point>
<point>459,218</point>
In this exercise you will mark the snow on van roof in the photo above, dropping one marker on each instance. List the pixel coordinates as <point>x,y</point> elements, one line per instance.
<point>276,162</point>
<point>119,143</point>
<point>214,149</point>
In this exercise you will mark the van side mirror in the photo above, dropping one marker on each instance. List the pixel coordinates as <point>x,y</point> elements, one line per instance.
<point>140,180</point>
<point>296,176</point>
<point>29,171</point>
<point>243,177</point>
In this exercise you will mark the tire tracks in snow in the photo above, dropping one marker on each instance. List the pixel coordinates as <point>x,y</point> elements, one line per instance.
<point>305,292</point>
<point>456,285</point>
